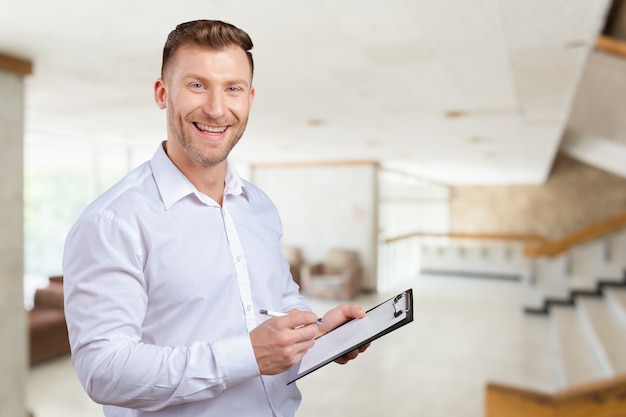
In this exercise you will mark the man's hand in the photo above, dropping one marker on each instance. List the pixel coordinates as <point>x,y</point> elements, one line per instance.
<point>336,317</point>
<point>280,342</point>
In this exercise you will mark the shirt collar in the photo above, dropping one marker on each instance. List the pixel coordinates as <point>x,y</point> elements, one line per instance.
<point>173,185</point>
<point>234,183</point>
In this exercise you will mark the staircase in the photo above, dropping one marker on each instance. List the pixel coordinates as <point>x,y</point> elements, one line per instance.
<point>582,293</point>
<point>590,337</point>
<point>588,331</point>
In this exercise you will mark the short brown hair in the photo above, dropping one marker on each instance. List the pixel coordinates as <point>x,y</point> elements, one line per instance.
<point>212,34</point>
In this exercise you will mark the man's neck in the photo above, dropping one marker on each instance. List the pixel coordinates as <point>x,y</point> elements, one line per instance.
<point>208,180</point>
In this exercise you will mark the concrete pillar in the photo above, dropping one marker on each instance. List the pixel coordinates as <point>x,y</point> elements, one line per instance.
<point>13,326</point>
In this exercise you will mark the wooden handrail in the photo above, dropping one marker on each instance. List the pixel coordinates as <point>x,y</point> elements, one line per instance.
<point>536,245</point>
<point>478,236</point>
<point>611,45</point>
<point>602,398</point>
<point>15,65</point>
<point>556,247</point>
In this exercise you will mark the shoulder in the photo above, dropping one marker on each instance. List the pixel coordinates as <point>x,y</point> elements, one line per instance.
<point>255,194</point>
<point>256,204</point>
<point>259,200</point>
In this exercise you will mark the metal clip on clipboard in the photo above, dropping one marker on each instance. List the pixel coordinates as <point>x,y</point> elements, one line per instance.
<point>407,304</point>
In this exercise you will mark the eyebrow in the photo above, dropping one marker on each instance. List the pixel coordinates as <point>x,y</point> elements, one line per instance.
<point>238,81</point>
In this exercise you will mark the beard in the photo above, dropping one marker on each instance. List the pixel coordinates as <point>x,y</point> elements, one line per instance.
<point>204,155</point>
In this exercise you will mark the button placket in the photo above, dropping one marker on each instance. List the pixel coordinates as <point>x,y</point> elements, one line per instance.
<point>241,269</point>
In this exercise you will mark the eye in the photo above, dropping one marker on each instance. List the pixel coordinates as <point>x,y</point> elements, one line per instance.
<point>233,89</point>
<point>196,86</point>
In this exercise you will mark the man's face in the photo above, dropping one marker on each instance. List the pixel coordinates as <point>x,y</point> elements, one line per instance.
<point>207,95</point>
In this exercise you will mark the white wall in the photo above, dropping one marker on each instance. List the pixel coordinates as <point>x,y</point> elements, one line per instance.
<point>326,206</point>
<point>596,129</point>
<point>410,204</point>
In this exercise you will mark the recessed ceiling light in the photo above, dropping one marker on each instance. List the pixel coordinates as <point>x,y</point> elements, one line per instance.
<point>474,140</point>
<point>315,122</point>
<point>576,43</point>
<point>453,114</point>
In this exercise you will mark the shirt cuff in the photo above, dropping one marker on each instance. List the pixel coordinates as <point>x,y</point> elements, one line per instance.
<point>235,357</point>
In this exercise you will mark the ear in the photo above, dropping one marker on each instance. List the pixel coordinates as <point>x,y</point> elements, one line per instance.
<point>160,93</point>
<point>252,93</point>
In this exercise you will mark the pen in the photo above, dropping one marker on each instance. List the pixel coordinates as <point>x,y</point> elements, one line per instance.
<point>280,314</point>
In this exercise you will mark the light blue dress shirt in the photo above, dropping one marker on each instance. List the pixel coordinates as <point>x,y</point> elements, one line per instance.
<point>163,286</point>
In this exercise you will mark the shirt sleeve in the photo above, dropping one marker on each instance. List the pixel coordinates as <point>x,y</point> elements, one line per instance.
<point>106,297</point>
<point>292,298</point>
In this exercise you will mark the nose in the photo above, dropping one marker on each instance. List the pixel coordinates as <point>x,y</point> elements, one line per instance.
<point>215,105</point>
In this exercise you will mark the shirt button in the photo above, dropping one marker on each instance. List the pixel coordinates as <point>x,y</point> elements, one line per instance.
<point>248,307</point>
<point>238,258</point>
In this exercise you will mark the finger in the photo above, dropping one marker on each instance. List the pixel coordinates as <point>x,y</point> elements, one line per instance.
<point>347,357</point>
<point>351,311</point>
<point>298,319</point>
<point>357,311</point>
<point>299,333</point>
<point>294,319</point>
<point>305,334</point>
<point>340,315</point>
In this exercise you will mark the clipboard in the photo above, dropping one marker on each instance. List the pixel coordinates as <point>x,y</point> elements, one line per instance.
<point>378,321</point>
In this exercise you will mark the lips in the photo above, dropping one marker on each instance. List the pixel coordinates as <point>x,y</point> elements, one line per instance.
<point>210,129</point>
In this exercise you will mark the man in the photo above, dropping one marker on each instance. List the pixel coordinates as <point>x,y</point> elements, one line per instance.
<point>166,272</point>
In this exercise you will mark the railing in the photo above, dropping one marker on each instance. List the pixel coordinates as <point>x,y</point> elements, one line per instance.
<point>521,237</point>
<point>611,45</point>
<point>536,245</point>
<point>598,399</point>
<point>399,256</point>
<point>597,230</point>
<point>398,263</point>
<point>15,65</point>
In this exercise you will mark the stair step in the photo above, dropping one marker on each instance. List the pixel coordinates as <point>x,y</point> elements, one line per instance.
<point>616,299</point>
<point>586,284</point>
<point>577,363</point>
<point>607,336</point>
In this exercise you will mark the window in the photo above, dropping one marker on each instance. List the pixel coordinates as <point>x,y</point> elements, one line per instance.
<point>61,177</point>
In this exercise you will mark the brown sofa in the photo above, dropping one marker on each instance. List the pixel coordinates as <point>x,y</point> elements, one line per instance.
<point>293,255</point>
<point>46,323</point>
<point>339,277</point>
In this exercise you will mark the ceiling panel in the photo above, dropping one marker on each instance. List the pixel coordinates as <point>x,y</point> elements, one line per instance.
<point>458,91</point>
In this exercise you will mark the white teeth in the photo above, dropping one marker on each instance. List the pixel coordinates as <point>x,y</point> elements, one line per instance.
<point>211,129</point>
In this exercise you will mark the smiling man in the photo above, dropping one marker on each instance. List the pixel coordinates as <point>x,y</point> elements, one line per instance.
<point>166,272</point>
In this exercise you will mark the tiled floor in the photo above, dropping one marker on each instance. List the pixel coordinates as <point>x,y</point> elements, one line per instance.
<point>466,332</point>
